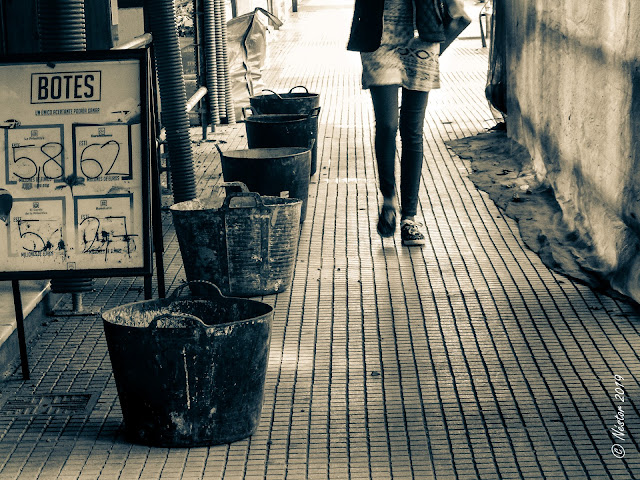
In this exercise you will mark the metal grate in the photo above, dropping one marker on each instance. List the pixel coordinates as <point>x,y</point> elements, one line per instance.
<point>49,404</point>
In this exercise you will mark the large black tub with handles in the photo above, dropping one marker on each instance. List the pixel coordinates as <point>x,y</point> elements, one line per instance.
<point>300,103</point>
<point>189,371</point>
<point>292,102</point>
<point>270,171</point>
<point>285,130</point>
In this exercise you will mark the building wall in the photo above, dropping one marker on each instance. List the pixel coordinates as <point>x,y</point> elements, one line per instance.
<point>574,102</point>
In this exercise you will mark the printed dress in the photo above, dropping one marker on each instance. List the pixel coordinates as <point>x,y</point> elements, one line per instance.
<point>402,58</point>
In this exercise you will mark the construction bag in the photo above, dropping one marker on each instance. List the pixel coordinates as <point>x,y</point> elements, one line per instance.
<point>247,51</point>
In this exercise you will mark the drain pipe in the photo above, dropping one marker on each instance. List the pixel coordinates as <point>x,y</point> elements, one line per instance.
<point>225,103</point>
<point>61,25</point>
<point>210,59</point>
<point>173,97</point>
<point>231,113</point>
<point>61,28</point>
<point>218,15</point>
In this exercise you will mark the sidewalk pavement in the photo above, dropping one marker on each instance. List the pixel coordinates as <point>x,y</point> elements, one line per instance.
<point>465,359</point>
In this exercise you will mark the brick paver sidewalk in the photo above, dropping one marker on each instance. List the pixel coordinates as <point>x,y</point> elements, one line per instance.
<point>465,359</point>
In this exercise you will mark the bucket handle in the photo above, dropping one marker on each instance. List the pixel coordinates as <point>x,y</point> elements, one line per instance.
<point>245,110</point>
<point>176,320</point>
<point>215,291</point>
<point>239,189</point>
<point>219,150</point>
<point>269,90</point>
<point>235,187</point>
<point>258,203</point>
<point>306,90</point>
<point>314,112</point>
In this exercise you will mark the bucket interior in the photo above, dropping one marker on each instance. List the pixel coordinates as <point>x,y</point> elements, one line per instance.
<point>215,203</point>
<point>141,314</point>
<point>265,153</point>
<point>277,118</point>
<point>197,204</point>
<point>277,201</point>
<point>285,96</point>
<point>211,205</point>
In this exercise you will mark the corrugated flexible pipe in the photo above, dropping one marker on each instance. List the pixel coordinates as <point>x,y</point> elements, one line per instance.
<point>61,25</point>
<point>61,28</point>
<point>210,59</point>
<point>231,113</point>
<point>220,17</point>
<point>173,96</point>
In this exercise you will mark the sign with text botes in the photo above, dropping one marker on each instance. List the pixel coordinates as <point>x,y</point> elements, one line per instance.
<point>74,166</point>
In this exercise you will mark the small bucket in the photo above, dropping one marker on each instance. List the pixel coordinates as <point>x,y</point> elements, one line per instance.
<point>292,102</point>
<point>247,246</point>
<point>285,130</point>
<point>270,171</point>
<point>189,371</point>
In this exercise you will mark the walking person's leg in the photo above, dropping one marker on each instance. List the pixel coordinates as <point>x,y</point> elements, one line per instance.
<point>385,108</point>
<point>412,114</point>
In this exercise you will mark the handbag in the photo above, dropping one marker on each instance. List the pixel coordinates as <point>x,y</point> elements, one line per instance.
<point>455,20</point>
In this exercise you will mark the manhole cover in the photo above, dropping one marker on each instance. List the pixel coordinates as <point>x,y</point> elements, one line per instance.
<point>48,404</point>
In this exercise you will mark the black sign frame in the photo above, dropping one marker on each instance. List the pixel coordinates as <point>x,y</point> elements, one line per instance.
<point>95,58</point>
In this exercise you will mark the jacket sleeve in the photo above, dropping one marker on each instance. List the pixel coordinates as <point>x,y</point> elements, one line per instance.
<point>366,26</point>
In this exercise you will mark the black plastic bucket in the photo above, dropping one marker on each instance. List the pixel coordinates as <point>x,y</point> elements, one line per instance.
<point>270,171</point>
<point>189,371</point>
<point>246,244</point>
<point>292,102</point>
<point>285,130</point>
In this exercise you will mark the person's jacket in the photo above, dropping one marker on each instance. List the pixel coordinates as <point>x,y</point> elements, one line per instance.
<point>366,27</point>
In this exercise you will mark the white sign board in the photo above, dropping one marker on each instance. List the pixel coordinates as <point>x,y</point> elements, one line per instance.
<point>74,166</point>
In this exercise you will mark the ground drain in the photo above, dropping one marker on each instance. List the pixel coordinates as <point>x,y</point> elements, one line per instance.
<point>49,404</point>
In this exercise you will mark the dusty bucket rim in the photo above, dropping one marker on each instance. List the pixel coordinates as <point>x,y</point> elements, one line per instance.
<point>266,153</point>
<point>162,310</point>
<point>276,118</point>
<point>210,205</point>
<point>175,298</point>
<point>195,205</point>
<point>285,96</point>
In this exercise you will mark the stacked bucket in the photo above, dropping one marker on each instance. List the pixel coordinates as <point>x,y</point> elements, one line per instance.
<point>285,120</point>
<point>190,370</point>
<point>282,135</point>
<point>246,244</point>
